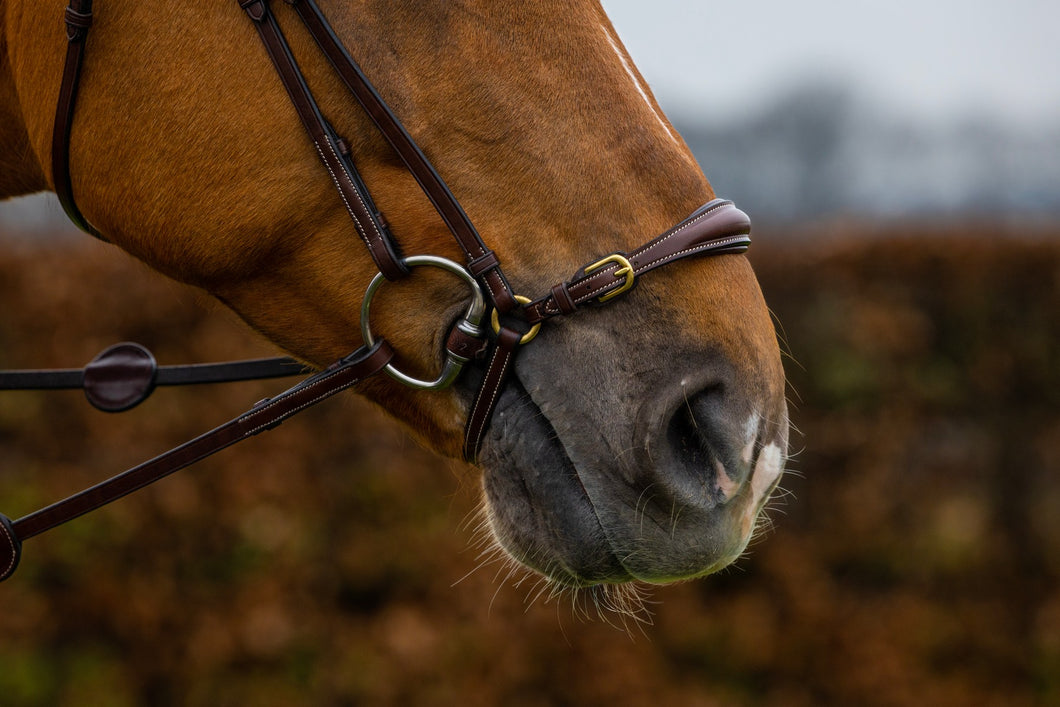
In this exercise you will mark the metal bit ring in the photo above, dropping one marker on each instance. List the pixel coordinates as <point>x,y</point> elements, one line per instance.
<point>469,323</point>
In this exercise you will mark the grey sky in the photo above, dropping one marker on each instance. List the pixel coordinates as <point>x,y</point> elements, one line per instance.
<point>922,58</point>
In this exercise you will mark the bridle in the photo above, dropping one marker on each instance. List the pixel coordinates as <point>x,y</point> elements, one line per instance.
<point>125,374</point>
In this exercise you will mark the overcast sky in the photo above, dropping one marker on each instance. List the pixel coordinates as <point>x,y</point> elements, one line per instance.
<point>928,59</point>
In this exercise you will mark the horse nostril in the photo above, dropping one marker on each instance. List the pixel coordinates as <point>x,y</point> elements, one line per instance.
<point>708,443</point>
<point>687,434</point>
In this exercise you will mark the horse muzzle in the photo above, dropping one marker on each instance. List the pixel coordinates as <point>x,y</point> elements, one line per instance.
<point>655,477</point>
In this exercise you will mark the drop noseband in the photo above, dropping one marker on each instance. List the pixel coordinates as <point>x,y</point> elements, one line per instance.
<point>124,375</point>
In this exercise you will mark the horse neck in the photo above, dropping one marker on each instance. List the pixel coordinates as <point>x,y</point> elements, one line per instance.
<point>20,172</point>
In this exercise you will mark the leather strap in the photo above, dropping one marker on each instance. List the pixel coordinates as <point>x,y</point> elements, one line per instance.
<point>715,228</point>
<point>10,548</point>
<point>329,147</point>
<point>124,375</point>
<point>265,415</point>
<point>491,277</point>
<point>486,399</point>
<point>78,20</point>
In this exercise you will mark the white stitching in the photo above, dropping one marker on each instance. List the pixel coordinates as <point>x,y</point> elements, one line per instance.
<point>356,191</point>
<point>601,273</point>
<point>486,279</point>
<point>661,239</point>
<point>659,242</point>
<point>493,397</point>
<point>694,249</point>
<point>361,229</point>
<point>14,552</point>
<point>721,243</point>
<point>309,403</point>
<point>668,236</point>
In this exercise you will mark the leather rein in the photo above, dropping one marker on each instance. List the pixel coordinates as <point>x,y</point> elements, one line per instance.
<point>125,374</point>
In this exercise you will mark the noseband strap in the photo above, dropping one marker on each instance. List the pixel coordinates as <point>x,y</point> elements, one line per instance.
<point>715,228</point>
<point>486,399</point>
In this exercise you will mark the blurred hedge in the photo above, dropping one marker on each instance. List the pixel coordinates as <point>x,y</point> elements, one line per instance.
<point>914,560</point>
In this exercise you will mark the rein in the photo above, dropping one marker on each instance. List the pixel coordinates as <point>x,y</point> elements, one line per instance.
<point>125,374</point>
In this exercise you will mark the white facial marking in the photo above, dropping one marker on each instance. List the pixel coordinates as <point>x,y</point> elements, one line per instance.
<point>767,471</point>
<point>636,82</point>
<point>750,435</point>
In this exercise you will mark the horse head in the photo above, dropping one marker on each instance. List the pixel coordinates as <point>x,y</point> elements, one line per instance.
<point>634,441</point>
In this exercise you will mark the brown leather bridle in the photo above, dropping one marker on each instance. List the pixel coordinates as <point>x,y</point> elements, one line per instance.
<point>125,374</point>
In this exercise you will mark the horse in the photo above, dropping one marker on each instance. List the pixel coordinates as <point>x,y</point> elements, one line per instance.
<point>634,442</point>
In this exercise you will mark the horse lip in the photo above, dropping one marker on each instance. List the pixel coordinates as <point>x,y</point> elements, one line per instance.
<point>539,508</point>
<point>531,502</point>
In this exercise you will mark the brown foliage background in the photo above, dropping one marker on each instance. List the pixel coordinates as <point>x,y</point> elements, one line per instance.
<point>915,560</point>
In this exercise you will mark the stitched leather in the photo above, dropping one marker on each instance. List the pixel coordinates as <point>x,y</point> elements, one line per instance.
<point>480,265</point>
<point>265,415</point>
<point>125,374</point>
<point>78,19</point>
<point>347,180</point>
<point>10,548</point>
<point>486,399</point>
<point>417,163</point>
<point>715,228</point>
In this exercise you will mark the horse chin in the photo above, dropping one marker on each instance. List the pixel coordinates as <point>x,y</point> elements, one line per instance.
<point>538,507</point>
<point>660,513</point>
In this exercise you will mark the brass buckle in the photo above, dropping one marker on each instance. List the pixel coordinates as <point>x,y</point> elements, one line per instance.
<point>625,269</point>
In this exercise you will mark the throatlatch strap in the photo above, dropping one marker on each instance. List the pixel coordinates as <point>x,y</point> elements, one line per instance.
<point>78,20</point>
<point>266,415</point>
